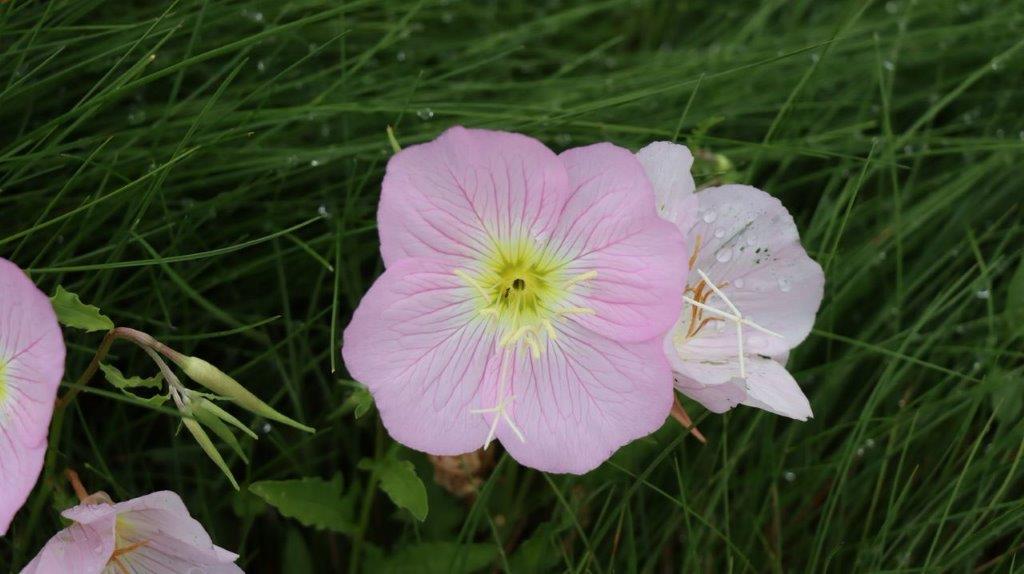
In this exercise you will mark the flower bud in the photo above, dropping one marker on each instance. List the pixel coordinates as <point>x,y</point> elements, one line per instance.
<point>207,445</point>
<point>217,381</point>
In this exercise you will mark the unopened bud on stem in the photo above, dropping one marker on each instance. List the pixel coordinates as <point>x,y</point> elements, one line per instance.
<point>217,381</point>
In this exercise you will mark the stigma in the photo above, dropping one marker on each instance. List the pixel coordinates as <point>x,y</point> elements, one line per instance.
<point>525,292</point>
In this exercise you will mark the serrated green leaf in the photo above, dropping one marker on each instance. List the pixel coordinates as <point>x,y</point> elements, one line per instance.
<point>116,378</point>
<point>312,501</point>
<point>435,558</point>
<point>153,401</point>
<point>398,479</point>
<point>72,312</point>
<point>361,401</point>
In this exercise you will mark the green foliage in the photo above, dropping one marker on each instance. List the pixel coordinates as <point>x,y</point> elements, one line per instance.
<point>435,558</point>
<point>399,480</point>
<point>1015,301</point>
<point>116,378</point>
<point>360,401</point>
<point>296,556</point>
<point>312,501</point>
<point>72,312</point>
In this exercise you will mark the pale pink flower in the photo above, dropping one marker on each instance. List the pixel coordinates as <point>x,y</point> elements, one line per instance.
<point>525,299</point>
<point>752,292</point>
<point>153,534</point>
<point>31,367</point>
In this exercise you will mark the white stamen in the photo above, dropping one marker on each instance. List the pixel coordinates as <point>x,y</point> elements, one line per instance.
<point>500,410</point>
<point>735,316</point>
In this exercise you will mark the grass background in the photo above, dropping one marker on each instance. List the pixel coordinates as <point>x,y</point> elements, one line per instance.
<point>208,171</point>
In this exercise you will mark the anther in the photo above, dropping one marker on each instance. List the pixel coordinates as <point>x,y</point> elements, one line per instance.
<point>734,316</point>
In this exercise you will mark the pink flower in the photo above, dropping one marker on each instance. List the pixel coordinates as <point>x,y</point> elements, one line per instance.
<point>752,292</point>
<point>525,299</point>
<point>153,534</point>
<point>31,367</point>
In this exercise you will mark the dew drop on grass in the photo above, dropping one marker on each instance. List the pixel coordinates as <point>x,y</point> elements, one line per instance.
<point>789,476</point>
<point>314,163</point>
<point>265,428</point>
<point>261,66</point>
<point>136,116</point>
<point>401,56</point>
<point>889,65</point>
<point>983,294</point>
<point>425,113</point>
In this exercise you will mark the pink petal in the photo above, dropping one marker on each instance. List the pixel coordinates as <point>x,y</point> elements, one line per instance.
<point>668,167</point>
<point>450,199</point>
<point>750,245</point>
<point>173,542</point>
<point>31,368</point>
<point>768,386</point>
<point>418,342</point>
<point>610,226</point>
<point>173,536</point>
<point>80,548</point>
<point>585,397</point>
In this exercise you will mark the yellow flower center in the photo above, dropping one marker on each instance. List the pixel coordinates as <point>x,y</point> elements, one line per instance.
<point>525,288</point>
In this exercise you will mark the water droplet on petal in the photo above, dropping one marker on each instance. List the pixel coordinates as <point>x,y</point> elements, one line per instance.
<point>738,283</point>
<point>724,255</point>
<point>710,216</point>
<point>784,285</point>
<point>719,233</point>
